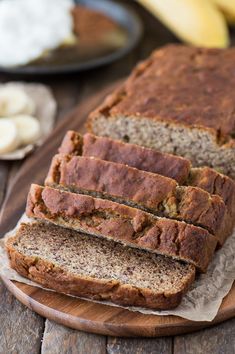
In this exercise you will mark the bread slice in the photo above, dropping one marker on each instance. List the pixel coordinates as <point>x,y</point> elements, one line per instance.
<point>216,183</point>
<point>72,263</point>
<point>72,143</point>
<point>150,160</point>
<point>145,159</point>
<point>154,161</point>
<point>121,223</point>
<point>148,191</point>
<point>182,101</point>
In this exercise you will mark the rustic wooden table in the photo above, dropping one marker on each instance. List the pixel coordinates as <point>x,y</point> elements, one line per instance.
<point>23,331</point>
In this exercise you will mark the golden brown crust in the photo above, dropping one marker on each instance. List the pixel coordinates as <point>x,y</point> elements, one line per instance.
<point>119,222</point>
<point>150,160</point>
<point>214,183</point>
<point>157,194</point>
<point>72,143</point>
<point>145,159</point>
<point>92,174</point>
<point>56,278</point>
<point>153,161</point>
<point>161,89</point>
<point>200,208</point>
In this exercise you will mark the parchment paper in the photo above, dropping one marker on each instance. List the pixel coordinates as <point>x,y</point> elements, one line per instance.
<point>202,301</point>
<point>45,113</point>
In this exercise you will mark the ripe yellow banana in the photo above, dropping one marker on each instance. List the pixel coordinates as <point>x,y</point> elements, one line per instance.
<point>228,8</point>
<point>198,22</point>
<point>230,19</point>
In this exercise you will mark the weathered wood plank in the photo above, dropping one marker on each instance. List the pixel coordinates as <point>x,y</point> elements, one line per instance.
<point>139,346</point>
<point>66,92</point>
<point>217,340</point>
<point>14,169</point>
<point>4,169</point>
<point>58,339</point>
<point>21,329</point>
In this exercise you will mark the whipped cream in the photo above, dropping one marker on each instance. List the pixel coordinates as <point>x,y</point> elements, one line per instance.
<point>28,28</point>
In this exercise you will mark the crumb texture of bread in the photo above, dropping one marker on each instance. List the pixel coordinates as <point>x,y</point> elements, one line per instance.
<point>148,191</point>
<point>181,101</point>
<point>75,264</point>
<point>132,227</point>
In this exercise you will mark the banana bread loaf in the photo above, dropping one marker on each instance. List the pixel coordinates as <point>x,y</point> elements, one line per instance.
<point>121,223</point>
<point>148,191</point>
<point>73,263</point>
<point>182,101</point>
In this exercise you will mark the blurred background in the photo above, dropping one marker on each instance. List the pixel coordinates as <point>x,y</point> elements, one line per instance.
<point>87,34</point>
<point>76,48</point>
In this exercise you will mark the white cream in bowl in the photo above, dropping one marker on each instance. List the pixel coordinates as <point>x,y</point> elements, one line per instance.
<point>28,28</point>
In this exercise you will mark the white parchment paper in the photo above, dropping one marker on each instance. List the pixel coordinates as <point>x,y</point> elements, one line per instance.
<point>45,111</point>
<point>202,301</point>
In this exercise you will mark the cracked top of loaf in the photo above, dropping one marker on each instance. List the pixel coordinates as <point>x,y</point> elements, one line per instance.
<point>180,84</point>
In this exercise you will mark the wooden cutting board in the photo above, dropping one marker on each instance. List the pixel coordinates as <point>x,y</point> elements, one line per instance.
<point>73,312</point>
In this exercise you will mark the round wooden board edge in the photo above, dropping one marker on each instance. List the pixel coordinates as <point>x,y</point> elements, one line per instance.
<point>173,325</point>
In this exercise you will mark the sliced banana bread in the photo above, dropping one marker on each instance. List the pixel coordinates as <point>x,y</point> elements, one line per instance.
<point>73,263</point>
<point>150,160</point>
<point>129,154</point>
<point>182,101</point>
<point>154,161</point>
<point>72,143</point>
<point>121,223</point>
<point>151,192</point>
<point>216,183</point>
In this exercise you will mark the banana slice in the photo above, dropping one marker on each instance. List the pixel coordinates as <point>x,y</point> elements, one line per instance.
<point>15,101</point>
<point>29,107</point>
<point>28,128</point>
<point>9,137</point>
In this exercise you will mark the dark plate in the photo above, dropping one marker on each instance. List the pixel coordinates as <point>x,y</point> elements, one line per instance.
<point>125,17</point>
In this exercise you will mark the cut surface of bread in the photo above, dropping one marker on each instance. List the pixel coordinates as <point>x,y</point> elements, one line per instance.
<point>121,223</point>
<point>73,263</point>
<point>148,191</point>
<point>180,100</point>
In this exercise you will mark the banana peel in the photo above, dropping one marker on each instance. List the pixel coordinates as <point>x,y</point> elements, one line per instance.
<point>230,19</point>
<point>196,22</point>
<point>228,9</point>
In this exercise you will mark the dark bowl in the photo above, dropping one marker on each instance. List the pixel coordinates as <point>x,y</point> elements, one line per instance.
<point>123,15</point>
